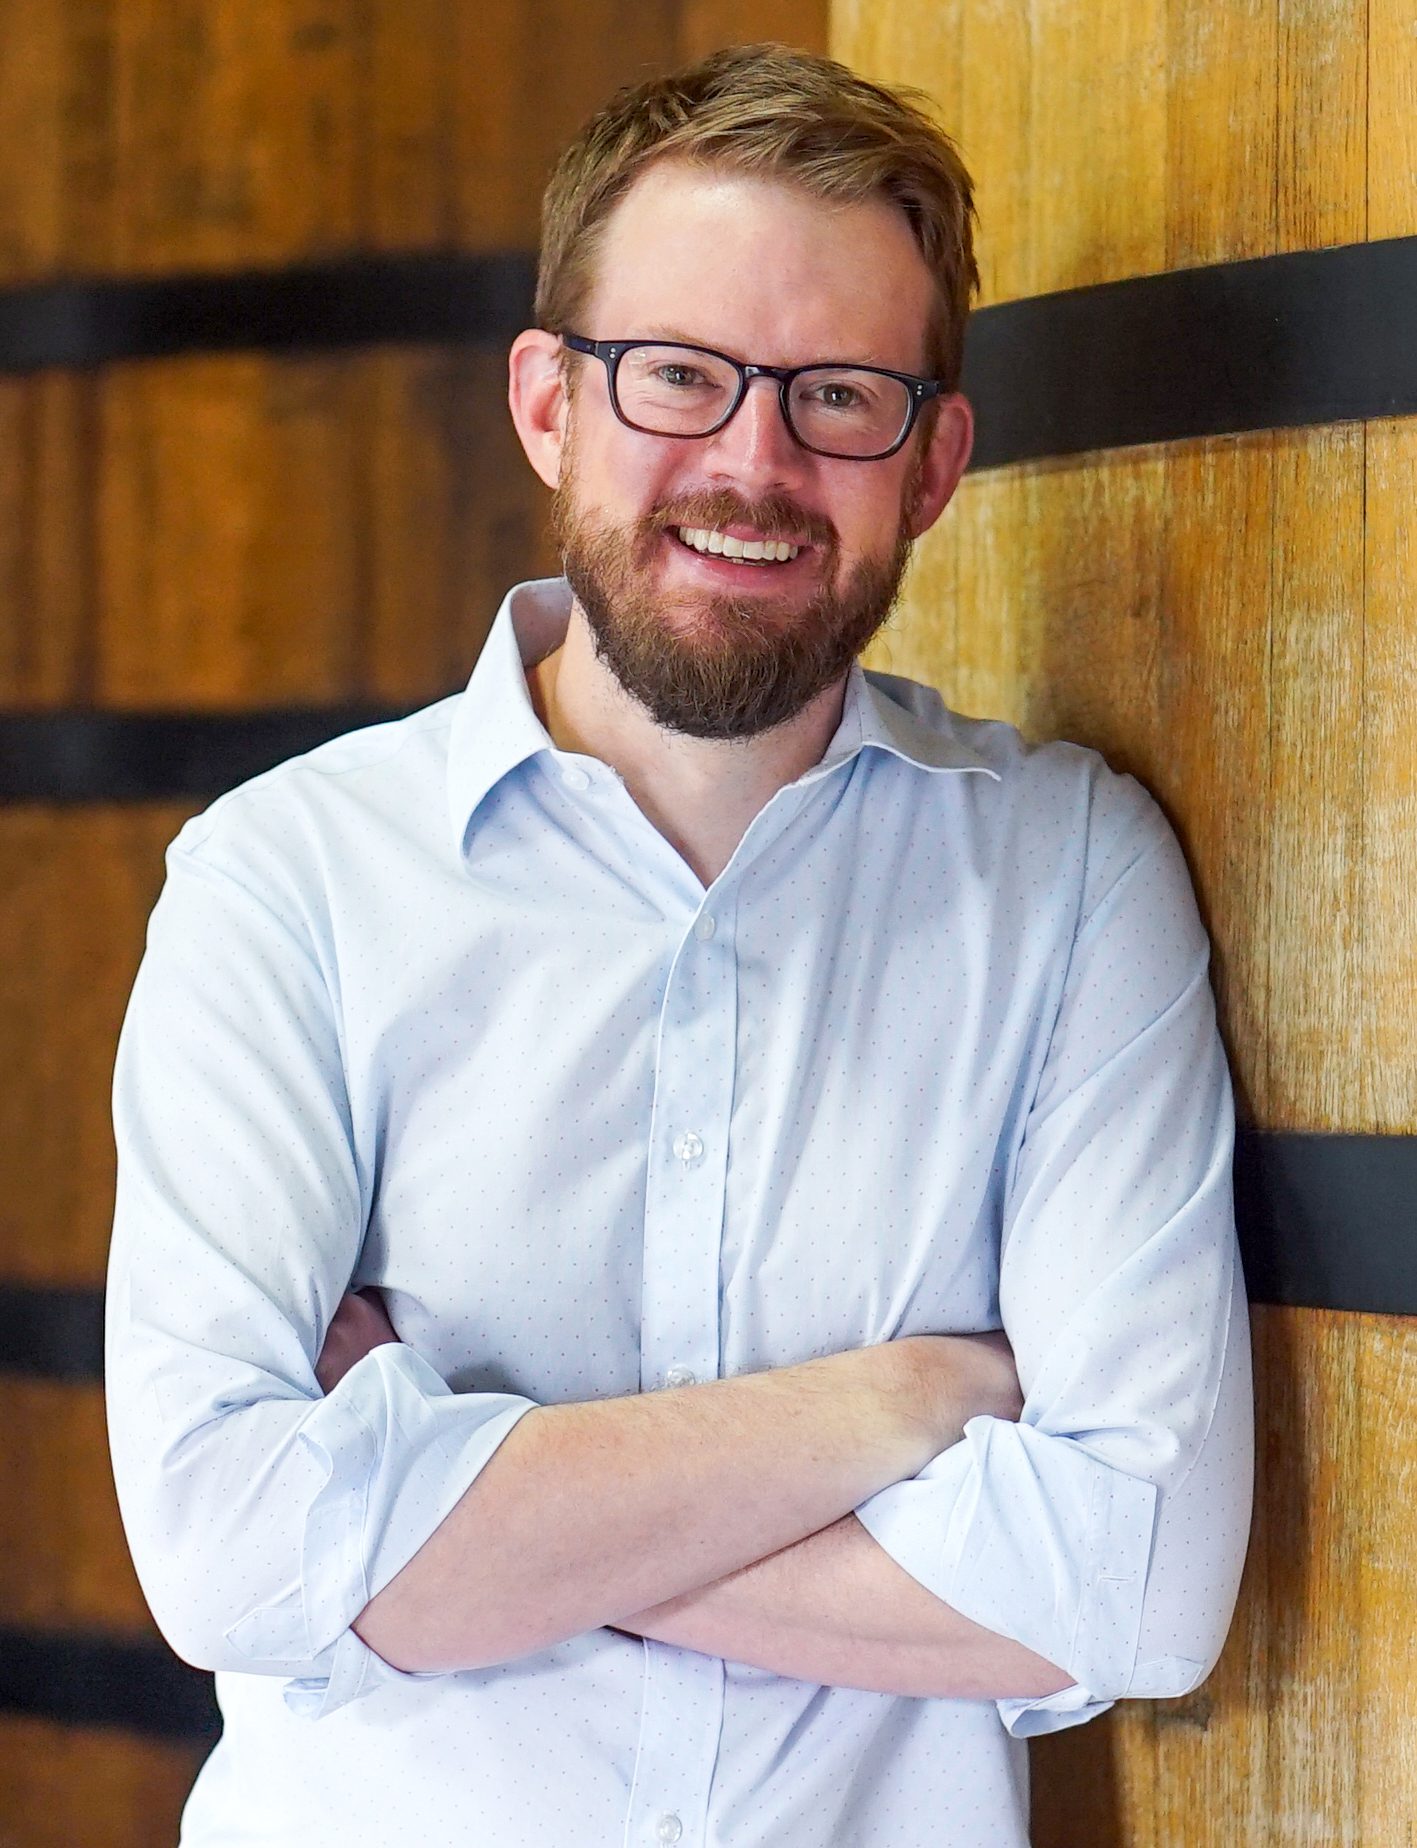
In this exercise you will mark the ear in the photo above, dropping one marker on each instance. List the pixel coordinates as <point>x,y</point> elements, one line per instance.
<point>537,397</point>
<point>945,459</point>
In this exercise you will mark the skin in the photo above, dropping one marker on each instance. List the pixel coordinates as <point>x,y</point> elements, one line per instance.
<point>717,1516</point>
<point>831,1607</point>
<point>764,272</point>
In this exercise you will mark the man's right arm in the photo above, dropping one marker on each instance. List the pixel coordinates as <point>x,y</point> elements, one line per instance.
<point>589,1512</point>
<point>266,1519</point>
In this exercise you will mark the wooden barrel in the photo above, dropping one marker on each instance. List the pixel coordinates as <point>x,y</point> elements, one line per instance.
<point>1230,612</point>
<point>289,527</point>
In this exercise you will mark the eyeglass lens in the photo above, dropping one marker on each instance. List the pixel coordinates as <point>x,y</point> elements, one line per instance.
<point>677,391</point>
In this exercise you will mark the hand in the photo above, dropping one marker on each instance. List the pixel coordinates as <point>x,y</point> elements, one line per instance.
<point>360,1324</point>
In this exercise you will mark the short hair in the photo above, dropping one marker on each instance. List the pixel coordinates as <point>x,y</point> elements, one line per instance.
<point>784,114</point>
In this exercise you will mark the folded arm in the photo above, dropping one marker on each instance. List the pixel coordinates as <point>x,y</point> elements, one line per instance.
<point>394,1526</point>
<point>565,1529</point>
<point>1105,1529</point>
<point>1091,1549</point>
<point>837,1610</point>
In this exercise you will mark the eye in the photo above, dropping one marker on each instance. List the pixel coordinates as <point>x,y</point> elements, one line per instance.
<point>844,394</point>
<point>676,373</point>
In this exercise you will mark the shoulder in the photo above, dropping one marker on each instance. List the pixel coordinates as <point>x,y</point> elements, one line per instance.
<point>350,798</point>
<point>1036,788</point>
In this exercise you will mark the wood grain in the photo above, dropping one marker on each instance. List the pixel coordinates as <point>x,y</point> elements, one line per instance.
<point>78,885</point>
<point>1235,622</point>
<point>1388,876</point>
<point>48,538</point>
<point>1129,139</point>
<point>705,25</point>
<point>1391,153</point>
<point>1316,1077</point>
<point>143,136</point>
<point>1302,1736</point>
<point>63,1560</point>
<point>215,533</point>
<point>88,1787</point>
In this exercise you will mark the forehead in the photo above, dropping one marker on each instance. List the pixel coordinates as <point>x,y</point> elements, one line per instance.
<point>762,269</point>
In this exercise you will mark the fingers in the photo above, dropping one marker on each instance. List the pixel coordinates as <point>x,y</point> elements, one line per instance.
<point>376,1315</point>
<point>359,1325</point>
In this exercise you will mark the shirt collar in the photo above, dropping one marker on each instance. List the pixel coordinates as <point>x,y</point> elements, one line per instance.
<point>495,726</point>
<point>882,711</point>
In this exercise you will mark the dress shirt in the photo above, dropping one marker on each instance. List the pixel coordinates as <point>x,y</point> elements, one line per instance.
<point>435,1008</point>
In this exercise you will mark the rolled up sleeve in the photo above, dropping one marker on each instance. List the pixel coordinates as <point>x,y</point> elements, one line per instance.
<point>1106,1530</point>
<point>262,1515</point>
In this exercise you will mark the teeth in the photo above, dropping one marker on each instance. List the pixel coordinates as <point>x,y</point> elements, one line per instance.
<point>777,551</point>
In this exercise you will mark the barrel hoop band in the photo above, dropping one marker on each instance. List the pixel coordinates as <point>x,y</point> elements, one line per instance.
<point>82,1679</point>
<point>1306,337</point>
<point>96,756</point>
<point>1328,1221</point>
<point>1301,338</point>
<point>475,296</point>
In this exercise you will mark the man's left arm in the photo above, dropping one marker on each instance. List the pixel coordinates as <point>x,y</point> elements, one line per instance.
<point>837,1610</point>
<point>1093,1550</point>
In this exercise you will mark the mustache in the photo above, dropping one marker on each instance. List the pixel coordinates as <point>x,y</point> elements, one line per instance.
<point>774,516</point>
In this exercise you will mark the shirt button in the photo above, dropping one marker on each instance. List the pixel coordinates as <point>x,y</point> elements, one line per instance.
<point>688,1147</point>
<point>680,1376</point>
<point>574,777</point>
<point>668,1829</point>
<point>704,927</point>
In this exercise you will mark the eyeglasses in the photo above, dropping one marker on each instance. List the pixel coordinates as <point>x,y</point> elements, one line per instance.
<point>668,388</point>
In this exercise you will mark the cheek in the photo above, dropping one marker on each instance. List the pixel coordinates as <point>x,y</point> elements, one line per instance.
<point>633,479</point>
<point>868,526</point>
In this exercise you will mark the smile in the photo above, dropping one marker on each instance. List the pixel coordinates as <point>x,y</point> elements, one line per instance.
<point>744,551</point>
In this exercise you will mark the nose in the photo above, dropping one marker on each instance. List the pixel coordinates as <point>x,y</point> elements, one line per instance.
<point>755,445</point>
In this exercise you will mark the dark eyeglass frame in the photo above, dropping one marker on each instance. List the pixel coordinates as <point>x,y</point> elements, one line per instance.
<point>611,352</point>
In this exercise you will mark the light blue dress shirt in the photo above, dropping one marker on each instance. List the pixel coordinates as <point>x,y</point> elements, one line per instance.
<point>434,1007</point>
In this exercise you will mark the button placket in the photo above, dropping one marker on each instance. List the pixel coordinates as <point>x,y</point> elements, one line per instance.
<point>685,1183</point>
<point>687,1172</point>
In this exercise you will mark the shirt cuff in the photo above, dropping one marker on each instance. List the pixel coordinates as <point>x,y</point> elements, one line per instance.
<point>395,1450</point>
<point>1035,1538</point>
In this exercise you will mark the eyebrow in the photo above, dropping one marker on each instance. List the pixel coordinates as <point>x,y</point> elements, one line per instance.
<point>663,332</point>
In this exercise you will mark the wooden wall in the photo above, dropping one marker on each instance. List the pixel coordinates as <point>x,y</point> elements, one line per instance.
<point>1234,619</point>
<point>215,533</point>
<point>1231,618</point>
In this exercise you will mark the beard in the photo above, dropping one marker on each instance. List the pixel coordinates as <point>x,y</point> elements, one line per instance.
<point>709,664</point>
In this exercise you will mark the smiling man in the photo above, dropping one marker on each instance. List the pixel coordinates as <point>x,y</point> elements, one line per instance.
<point>777,1124</point>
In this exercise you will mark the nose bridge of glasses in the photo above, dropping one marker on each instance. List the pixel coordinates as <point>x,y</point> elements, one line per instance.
<point>754,428</point>
<point>780,379</point>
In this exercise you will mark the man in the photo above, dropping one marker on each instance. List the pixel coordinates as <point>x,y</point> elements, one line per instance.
<point>727,1065</point>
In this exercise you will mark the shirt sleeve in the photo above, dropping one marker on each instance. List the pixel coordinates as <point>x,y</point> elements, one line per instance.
<point>1106,1530</point>
<point>262,1515</point>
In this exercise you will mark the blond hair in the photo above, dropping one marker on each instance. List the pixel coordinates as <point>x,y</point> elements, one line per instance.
<point>784,114</point>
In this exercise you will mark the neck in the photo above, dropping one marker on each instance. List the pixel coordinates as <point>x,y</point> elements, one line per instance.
<point>700,793</point>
